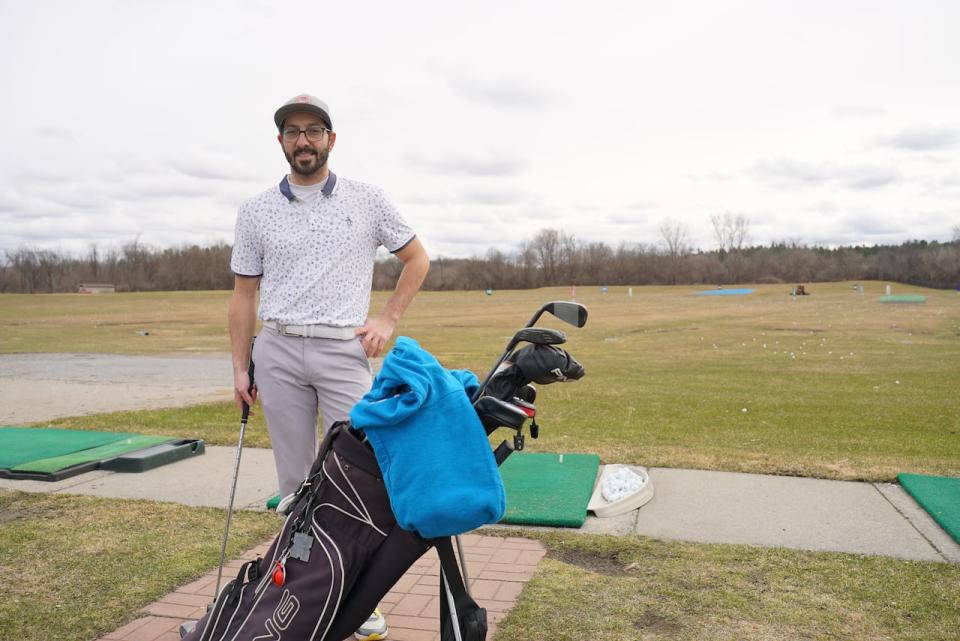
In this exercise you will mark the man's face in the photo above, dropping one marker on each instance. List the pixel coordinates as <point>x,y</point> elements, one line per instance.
<point>306,157</point>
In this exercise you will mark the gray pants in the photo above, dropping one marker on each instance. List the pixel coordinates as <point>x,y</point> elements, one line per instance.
<point>296,377</point>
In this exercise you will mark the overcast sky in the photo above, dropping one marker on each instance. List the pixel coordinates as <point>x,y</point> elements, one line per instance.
<point>825,122</point>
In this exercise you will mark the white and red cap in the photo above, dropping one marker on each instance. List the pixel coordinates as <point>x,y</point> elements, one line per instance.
<point>303,102</point>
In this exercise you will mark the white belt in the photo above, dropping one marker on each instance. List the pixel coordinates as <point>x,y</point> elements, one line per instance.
<point>313,331</point>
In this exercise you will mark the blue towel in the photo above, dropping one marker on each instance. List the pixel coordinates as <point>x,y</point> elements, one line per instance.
<point>436,460</point>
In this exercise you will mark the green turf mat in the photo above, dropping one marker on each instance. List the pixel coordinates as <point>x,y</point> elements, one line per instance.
<point>19,445</point>
<point>102,453</point>
<point>939,496</point>
<point>548,489</point>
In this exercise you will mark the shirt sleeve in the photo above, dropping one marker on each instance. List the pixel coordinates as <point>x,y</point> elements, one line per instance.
<point>393,232</point>
<point>247,256</point>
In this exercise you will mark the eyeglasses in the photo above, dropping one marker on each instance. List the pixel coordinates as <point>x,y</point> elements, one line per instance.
<point>314,133</point>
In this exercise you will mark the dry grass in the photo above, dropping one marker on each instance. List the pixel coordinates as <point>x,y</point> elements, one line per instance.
<point>77,567</point>
<point>835,384</point>
<point>597,587</point>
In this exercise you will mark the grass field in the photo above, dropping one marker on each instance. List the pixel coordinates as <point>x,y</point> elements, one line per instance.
<point>832,385</point>
<point>78,567</point>
<point>598,587</point>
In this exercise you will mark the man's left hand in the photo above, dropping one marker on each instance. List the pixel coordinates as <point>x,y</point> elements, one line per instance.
<point>376,332</point>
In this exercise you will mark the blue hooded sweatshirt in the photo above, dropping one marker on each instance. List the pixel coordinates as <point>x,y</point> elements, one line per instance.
<point>436,460</point>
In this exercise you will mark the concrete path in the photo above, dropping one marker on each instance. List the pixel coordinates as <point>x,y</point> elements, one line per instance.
<point>41,387</point>
<point>688,505</point>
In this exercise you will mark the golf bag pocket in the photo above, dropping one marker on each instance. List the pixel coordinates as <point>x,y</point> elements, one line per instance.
<point>296,591</point>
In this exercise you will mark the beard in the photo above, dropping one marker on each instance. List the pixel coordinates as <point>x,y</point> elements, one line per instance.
<point>307,164</point>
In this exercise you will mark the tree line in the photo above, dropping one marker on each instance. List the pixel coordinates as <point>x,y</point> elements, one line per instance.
<point>550,258</point>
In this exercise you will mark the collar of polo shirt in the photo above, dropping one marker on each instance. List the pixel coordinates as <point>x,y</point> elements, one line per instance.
<point>326,191</point>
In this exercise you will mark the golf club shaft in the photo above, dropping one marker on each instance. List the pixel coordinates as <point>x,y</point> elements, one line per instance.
<point>483,385</point>
<point>233,490</point>
<point>463,565</point>
<point>233,486</point>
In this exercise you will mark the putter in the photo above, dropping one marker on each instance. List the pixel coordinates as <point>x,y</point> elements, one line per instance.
<point>233,487</point>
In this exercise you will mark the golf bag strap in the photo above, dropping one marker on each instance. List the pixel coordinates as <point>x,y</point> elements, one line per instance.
<point>461,619</point>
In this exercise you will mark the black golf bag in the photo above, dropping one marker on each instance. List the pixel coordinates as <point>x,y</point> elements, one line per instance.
<point>338,553</point>
<point>341,550</point>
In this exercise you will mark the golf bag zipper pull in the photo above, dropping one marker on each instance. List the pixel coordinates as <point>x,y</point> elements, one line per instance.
<point>518,441</point>
<point>534,429</point>
<point>280,572</point>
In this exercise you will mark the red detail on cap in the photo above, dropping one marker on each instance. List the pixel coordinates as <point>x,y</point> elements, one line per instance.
<point>302,99</point>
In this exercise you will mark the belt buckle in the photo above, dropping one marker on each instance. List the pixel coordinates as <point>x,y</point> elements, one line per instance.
<point>283,329</point>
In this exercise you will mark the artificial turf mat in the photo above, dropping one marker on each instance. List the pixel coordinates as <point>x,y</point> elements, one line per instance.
<point>939,496</point>
<point>548,489</point>
<point>110,450</point>
<point>19,445</point>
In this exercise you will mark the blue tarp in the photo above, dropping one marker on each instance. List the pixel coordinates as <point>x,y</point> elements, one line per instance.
<point>725,292</point>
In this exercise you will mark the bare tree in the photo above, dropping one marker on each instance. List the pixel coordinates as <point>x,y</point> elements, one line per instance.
<point>676,238</point>
<point>93,262</point>
<point>731,232</point>
<point>547,246</point>
<point>956,233</point>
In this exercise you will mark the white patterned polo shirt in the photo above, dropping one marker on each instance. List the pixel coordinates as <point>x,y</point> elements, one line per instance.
<point>316,260</point>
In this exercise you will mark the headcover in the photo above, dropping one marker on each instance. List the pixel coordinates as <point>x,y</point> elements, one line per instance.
<point>542,364</point>
<point>547,364</point>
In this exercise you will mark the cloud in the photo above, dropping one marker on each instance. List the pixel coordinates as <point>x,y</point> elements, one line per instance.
<point>492,195</point>
<point>211,166</point>
<point>57,133</point>
<point>923,138</point>
<point>791,173</point>
<point>866,224</point>
<point>500,92</point>
<point>625,218</point>
<point>944,186</point>
<point>641,205</point>
<point>868,176</point>
<point>858,111</point>
<point>453,164</point>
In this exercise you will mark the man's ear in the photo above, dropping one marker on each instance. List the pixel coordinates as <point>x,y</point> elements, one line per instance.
<point>333,140</point>
<point>280,138</point>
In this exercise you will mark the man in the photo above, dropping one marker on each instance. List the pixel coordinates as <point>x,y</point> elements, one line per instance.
<point>309,244</point>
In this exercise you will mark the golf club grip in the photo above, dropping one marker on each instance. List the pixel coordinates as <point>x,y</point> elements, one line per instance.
<point>246,407</point>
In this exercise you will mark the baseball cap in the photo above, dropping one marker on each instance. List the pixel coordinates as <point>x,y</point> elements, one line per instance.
<point>303,102</point>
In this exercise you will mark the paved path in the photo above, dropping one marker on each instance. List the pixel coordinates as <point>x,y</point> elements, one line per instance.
<point>41,387</point>
<point>498,569</point>
<point>688,505</point>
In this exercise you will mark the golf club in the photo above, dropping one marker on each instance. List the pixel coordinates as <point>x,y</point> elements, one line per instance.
<point>569,312</point>
<point>236,473</point>
<point>573,313</point>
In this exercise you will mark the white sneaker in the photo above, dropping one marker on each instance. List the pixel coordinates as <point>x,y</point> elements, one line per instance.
<point>374,629</point>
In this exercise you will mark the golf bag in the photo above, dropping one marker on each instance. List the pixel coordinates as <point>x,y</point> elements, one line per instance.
<point>341,549</point>
<point>339,552</point>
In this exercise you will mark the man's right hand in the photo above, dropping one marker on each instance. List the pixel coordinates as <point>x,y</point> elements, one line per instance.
<point>243,392</point>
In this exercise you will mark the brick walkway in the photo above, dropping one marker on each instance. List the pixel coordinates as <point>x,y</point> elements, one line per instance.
<point>498,569</point>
